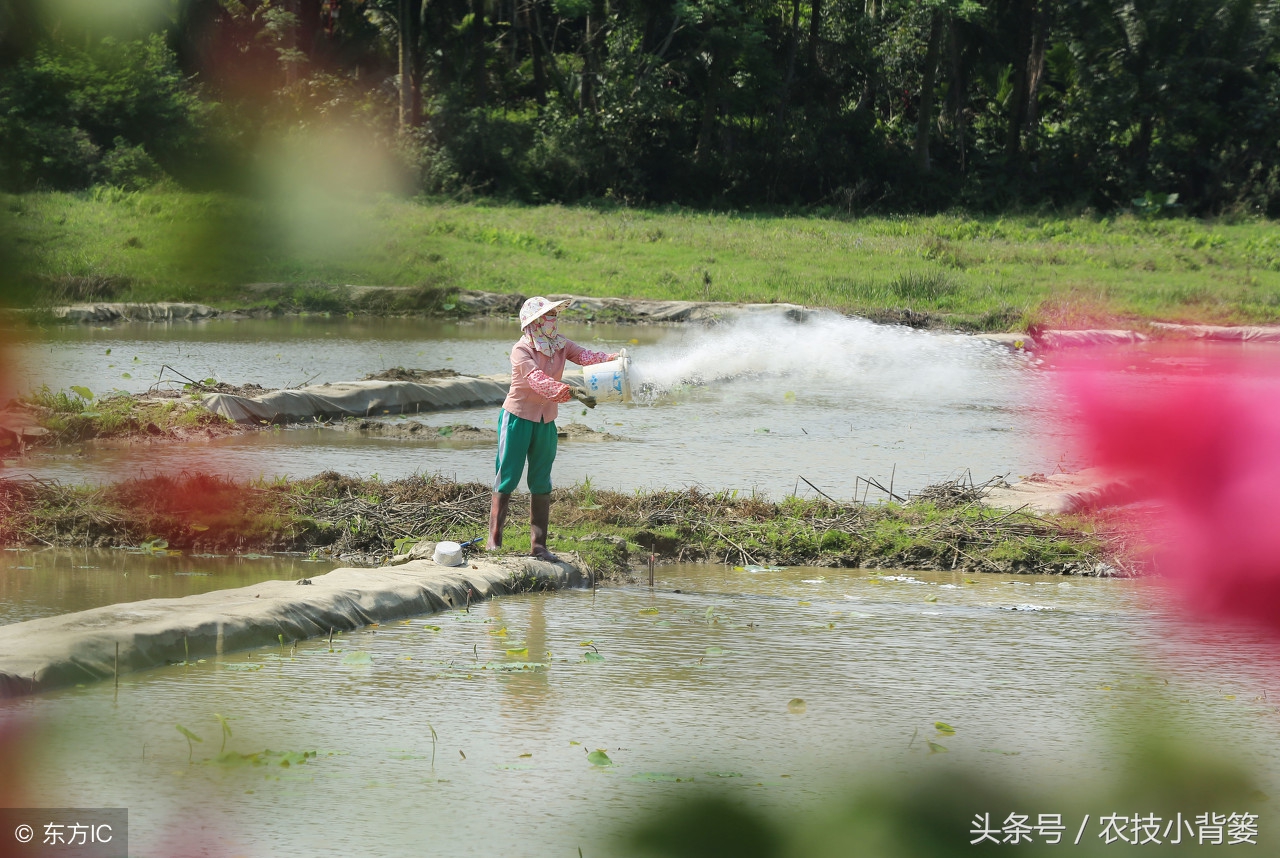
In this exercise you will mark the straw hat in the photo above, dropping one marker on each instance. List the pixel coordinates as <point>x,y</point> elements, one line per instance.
<point>537,307</point>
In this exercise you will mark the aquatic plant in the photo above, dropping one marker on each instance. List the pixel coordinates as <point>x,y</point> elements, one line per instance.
<point>190,737</point>
<point>226,731</point>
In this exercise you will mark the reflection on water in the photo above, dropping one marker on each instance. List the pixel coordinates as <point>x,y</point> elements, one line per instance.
<point>44,582</point>
<point>469,733</point>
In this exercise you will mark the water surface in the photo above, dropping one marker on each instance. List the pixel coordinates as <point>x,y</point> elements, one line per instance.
<point>42,582</point>
<point>764,405</point>
<point>754,405</point>
<point>469,733</point>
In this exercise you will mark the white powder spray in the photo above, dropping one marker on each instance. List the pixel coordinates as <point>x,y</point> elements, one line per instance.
<point>827,354</point>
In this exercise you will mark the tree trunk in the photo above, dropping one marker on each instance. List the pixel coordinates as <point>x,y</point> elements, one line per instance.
<point>866,98</point>
<point>535,51</point>
<point>1141,147</point>
<point>708,123</point>
<point>517,25</point>
<point>417,26</point>
<point>548,53</point>
<point>1018,99</point>
<point>591,64</point>
<point>478,51</point>
<point>924,122</point>
<point>1035,67</point>
<point>784,97</point>
<point>815,26</point>
<point>404,20</point>
<point>959,92</point>
<point>309,27</point>
<point>410,82</point>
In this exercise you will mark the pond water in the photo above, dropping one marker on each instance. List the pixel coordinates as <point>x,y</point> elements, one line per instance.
<point>772,401</point>
<point>279,352</point>
<point>43,582</point>
<point>474,733</point>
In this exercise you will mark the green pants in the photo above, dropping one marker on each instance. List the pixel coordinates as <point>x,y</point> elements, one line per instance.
<point>520,439</point>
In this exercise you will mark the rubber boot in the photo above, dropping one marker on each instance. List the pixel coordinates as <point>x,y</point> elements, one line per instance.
<point>539,521</point>
<point>498,507</point>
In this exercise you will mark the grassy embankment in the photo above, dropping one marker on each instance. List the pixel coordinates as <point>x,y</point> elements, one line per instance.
<point>76,415</point>
<point>979,273</point>
<point>943,528</point>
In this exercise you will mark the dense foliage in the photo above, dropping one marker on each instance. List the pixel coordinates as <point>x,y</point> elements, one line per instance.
<point>117,113</point>
<point>849,104</point>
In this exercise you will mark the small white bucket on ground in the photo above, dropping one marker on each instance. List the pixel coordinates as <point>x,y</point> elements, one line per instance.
<point>448,554</point>
<point>609,381</point>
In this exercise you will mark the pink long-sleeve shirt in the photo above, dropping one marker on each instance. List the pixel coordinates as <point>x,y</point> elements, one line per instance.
<point>536,390</point>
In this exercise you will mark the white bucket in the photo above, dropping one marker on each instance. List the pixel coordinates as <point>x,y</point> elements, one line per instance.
<point>609,382</point>
<point>448,554</point>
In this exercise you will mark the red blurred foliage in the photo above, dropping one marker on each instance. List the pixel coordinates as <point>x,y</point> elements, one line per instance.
<point>8,386</point>
<point>9,442</point>
<point>203,509</point>
<point>15,750</point>
<point>1201,432</point>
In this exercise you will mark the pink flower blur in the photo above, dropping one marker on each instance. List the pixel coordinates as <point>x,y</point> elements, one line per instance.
<point>1201,436</point>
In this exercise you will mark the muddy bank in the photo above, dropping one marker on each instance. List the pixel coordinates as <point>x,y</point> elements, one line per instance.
<point>1083,491</point>
<point>399,373</point>
<point>265,300</point>
<point>20,429</point>
<point>1052,340</point>
<point>258,301</point>
<point>370,521</point>
<point>85,646</point>
<point>204,410</point>
<point>272,299</point>
<point>417,431</point>
<point>108,312</point>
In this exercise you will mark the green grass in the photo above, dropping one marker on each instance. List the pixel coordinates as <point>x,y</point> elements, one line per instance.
<point>609,530</point>
<point>72,416</point>
<point>991,273</point>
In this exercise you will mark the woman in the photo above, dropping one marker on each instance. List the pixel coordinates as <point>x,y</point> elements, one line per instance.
<point>526,423</point>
